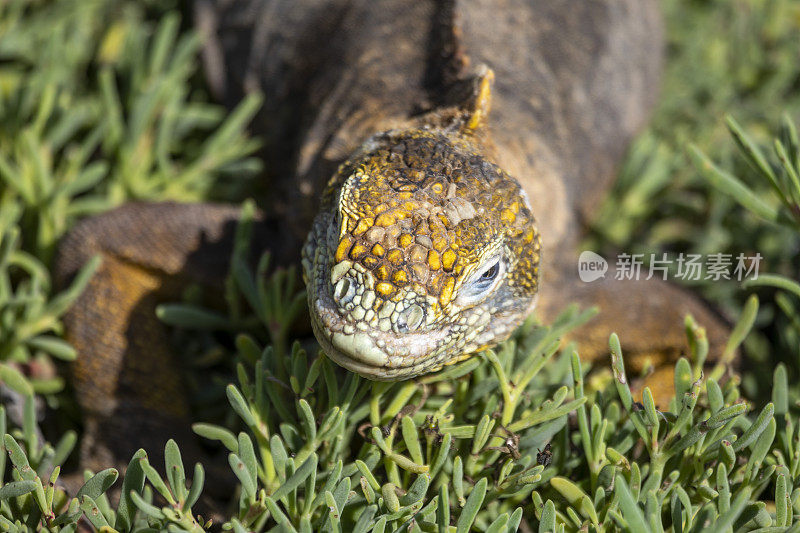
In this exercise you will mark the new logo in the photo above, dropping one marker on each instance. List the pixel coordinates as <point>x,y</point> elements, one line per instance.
<point>591,266</point>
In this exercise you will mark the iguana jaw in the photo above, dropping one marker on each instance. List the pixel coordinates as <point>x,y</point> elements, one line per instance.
<point>400,356</point>
<point>403,356</point>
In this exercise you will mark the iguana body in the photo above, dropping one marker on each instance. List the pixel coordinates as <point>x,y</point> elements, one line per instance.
<point>573,81</point>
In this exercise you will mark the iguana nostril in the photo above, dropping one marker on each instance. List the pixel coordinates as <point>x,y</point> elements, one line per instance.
<point>344,290</point>
<point>411,318</point>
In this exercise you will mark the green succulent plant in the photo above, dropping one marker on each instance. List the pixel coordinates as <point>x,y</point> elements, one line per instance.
<point>509,436</point>
<point>100,102</point>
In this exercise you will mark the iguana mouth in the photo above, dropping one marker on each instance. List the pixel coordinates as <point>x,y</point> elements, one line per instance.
<point>364,348</point>
<point>400,356</point>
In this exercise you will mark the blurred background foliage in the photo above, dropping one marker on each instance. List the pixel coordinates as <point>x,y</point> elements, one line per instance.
<point>103,102</point>
<point>724,57</point>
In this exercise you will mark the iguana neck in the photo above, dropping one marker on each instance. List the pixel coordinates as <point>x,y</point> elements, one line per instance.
<point>337,72</point>
<point>405,64</point>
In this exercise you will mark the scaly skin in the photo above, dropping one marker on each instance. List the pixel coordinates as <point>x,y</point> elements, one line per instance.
<point>423,253</point>
<point>575,80</point>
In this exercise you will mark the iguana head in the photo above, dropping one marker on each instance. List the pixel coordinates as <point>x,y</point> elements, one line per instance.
<point>423,253</point>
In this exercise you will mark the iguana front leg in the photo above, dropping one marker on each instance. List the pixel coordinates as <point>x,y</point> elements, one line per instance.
<point>127,378</point>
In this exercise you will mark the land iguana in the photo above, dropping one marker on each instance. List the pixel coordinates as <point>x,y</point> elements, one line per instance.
<point>408,148</point>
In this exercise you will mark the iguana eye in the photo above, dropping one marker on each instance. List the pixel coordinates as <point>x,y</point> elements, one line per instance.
<point>490,273</point>
<point>482,283</point>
